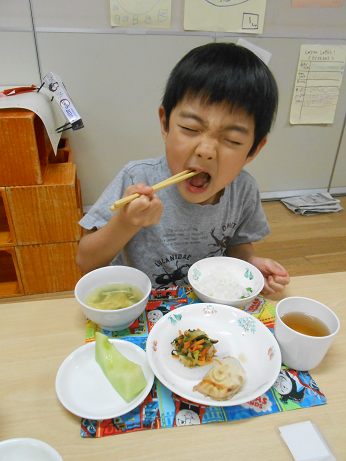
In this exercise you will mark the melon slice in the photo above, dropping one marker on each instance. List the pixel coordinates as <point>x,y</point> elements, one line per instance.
<point>125,376</point>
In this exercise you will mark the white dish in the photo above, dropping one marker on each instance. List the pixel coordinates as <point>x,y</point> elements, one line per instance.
<point>84,390</point>
<point>209,276</point>
<point>239,335</point>
<point>27,450</point>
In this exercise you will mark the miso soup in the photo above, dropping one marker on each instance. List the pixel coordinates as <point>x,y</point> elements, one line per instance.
<point>114,296</point>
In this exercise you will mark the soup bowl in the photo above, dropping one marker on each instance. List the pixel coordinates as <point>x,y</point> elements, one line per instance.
<point>119,319</point>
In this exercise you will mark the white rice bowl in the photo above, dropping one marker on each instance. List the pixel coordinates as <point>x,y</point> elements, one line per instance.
<point>225,280</point>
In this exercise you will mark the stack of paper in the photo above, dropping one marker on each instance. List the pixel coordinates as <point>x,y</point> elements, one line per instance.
<point>306,442</point>
<point>321,202</point>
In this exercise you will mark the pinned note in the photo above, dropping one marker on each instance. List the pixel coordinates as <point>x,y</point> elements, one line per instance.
<point>317,3</point>
<point>317,84</point>
<point>154,14</point>
<point>245,16</point>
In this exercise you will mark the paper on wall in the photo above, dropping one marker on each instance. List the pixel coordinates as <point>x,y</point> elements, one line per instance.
<point>41,104</point>
<point>154,14</point>
<point>317,3</point>
<point>242,16</point>
<point>317,85</point>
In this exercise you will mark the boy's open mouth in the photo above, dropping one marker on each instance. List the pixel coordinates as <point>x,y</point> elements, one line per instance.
<point>200,180</point>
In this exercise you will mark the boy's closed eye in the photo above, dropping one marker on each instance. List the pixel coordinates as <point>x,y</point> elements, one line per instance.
<point>195,130</point>
<point>230,141</point>
<point>192,130</point>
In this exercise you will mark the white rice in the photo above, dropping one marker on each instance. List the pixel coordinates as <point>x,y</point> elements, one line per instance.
<point>222,283</point>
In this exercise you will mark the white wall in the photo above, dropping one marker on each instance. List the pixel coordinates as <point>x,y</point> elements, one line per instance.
<point>339,177</point>
<point>18,62</point>
<point>116,79</point>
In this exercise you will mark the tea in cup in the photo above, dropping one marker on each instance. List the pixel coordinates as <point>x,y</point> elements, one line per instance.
<point>304,329</point>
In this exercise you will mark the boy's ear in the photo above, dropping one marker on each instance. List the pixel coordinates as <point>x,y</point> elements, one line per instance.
<point>259,147</point>
<point>163,121</point>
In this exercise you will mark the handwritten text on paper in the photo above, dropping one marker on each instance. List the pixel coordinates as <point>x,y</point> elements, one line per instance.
<point>242,16</point>
<point>141,13</point>
<point>317,85</point>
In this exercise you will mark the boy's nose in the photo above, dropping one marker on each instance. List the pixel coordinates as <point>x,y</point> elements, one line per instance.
<point>206,149</point>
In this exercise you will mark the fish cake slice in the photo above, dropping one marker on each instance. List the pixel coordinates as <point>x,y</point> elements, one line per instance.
<point>222,382</point>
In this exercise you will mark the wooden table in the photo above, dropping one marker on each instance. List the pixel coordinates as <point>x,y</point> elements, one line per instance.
<point>37,336</point>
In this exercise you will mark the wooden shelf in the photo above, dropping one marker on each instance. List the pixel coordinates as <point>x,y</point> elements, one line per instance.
<point>7,235</point>
<point>10,279</point>
<point>49,212</point>
<point>63,155</point>
<point>40,206</point>
<point>48,268</point>
<point>24,148</point>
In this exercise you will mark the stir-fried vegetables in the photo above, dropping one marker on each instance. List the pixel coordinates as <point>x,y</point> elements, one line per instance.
<point>193,348</point>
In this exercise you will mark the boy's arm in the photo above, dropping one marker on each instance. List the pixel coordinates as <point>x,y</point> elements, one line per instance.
<point>275,276</point>
<point>98,248</point>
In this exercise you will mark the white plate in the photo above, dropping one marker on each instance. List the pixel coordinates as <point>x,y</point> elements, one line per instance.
<point>84,390</point>
<point>27,450</point>
<point>240,335</point>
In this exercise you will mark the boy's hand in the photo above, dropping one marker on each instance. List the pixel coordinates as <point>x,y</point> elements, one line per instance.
<point>275,276</point>
<point>145,210</point>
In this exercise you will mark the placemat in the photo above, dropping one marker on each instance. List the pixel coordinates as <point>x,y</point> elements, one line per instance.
<point>162,408</point>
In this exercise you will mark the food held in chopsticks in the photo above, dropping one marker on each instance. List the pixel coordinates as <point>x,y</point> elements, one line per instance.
<point>194,348</point>
<point>114,296</point>
<point>125,376</point>
<point>161,185</point>
<point>222,381</point>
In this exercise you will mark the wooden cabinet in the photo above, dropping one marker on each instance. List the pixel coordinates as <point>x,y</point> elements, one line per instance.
<point>40,206</point>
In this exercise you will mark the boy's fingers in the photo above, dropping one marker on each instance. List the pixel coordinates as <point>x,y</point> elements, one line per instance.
<point>139,188</point>
<point>275,268</point>
<point>139,204</point>
<point>281,280</point>
<point>271,286</point>
<point>144,210</point>
<point>266,289</point>
<point>275,285</point>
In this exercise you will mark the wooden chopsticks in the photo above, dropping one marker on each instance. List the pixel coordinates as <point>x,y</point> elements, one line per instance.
<point>167,182</point>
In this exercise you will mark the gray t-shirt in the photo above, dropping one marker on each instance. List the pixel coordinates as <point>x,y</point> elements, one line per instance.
<point>186,232</point>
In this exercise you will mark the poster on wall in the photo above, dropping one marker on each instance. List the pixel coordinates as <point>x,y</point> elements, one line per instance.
<point>154,14</point>
<point>241,16</point>
<point>317,84</point>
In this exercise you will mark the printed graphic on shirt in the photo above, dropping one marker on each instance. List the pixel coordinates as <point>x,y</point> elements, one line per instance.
<point>220,243</point>
<point>179,274</point>
<point>173,268</point>
<point>182,236</point>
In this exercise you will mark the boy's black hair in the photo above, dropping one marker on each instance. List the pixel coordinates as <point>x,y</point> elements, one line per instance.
<point>225,73</point>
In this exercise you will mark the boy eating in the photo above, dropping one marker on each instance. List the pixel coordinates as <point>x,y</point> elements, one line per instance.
<point>219,105</point>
